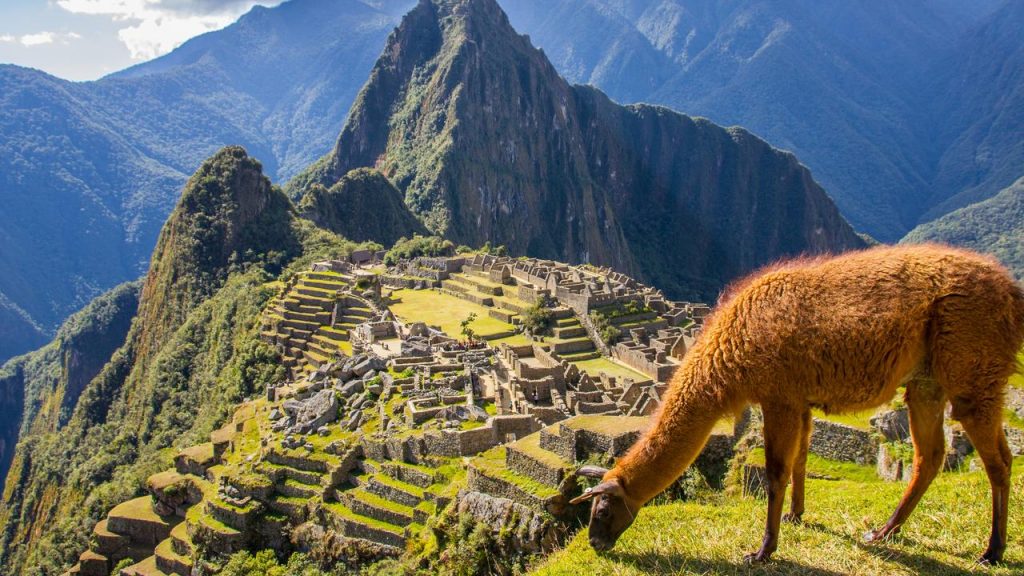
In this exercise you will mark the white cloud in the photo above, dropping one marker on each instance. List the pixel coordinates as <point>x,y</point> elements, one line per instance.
<point>7,38</point>
<point>155,27</point>
<point>38,39</point>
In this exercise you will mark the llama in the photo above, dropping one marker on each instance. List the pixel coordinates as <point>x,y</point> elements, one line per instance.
<point>840,334</point>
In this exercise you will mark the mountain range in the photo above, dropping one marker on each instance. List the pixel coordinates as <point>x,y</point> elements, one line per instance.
<point>903,111</point>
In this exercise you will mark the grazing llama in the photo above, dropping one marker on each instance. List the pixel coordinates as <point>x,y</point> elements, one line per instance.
<point>839,334</point>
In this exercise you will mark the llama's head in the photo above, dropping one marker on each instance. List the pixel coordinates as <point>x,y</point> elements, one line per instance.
<point>611,511</point>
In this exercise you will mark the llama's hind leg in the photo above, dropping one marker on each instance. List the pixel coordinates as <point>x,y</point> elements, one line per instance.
<point>796,502</point>
<point>780,447</point>
<point>925,406</point>
<point>984,425</point>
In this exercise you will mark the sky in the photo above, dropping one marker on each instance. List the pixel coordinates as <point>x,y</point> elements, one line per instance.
<point>88,39</point>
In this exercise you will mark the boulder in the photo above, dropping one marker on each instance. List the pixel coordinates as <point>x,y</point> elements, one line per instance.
<point>958,446</point>
<point>353,387</point>
<point>319,410</point>
<point>893,424</point>
<point>354,420</point>
<point>891,467</point>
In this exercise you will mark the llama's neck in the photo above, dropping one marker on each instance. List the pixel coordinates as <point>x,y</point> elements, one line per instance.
<point>692,407</point>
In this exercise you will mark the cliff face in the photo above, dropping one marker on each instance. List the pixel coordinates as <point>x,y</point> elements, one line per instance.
<point>488,143</point>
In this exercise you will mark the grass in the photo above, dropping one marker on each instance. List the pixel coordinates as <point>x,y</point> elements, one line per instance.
<point>598,365</point>
<point>944,536</point>
<point>858,420</point>
<point>521,340</point>
<point>438,309</point>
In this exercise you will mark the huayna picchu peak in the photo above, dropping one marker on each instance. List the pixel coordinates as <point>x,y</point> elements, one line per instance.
<point>488,143</point>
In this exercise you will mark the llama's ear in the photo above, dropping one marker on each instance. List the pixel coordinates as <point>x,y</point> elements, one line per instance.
<point>611,487</point>
<point>592,471</point>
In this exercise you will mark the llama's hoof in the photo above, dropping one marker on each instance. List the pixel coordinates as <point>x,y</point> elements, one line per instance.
<point>990,558</point>
<point>793,518</point>
<point>758,557</point>
<point>873,536</point>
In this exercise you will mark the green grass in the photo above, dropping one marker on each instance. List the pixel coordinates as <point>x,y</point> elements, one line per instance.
<point>1017,380</point>
<point>598,365</point>
<point>858,420</point>
<point>944,536</point>
<point>438,309</point>
<point>521,340</point>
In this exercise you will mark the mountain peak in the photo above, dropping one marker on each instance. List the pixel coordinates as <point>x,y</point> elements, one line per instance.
<point>486,142</point>
<point>229,213</point>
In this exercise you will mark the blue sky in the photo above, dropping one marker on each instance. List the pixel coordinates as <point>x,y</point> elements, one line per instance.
<point>87,39</point>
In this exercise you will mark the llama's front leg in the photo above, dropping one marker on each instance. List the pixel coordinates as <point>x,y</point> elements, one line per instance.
<point>781,438</point>
<point>925,406</point>
<point>796,502</point>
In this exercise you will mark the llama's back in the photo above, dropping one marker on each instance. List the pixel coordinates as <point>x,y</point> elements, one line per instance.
<point>851,328</point>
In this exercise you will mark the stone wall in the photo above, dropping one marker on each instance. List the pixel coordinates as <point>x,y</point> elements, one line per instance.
<point>844,443</point>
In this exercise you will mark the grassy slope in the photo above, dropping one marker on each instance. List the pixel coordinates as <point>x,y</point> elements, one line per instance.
<point>944,536</point>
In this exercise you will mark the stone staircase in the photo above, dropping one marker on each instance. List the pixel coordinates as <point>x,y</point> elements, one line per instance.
<point>570,340</point>
<point>386,501</point>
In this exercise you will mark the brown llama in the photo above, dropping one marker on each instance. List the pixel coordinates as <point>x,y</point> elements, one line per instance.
<point>840,334</point>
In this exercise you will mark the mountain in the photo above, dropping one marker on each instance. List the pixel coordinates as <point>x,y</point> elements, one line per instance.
<point>89,171</point>
<point>978,122</point>
<point>846,86</point>
<point>995,226</point>
<point>488,143</point>
<point>41,389</point>
<point>362,206</point>
<point>190,354</point>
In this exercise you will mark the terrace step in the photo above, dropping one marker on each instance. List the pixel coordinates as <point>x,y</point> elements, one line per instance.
<point>92,564</point>
<point>294,489</point>
<point>181,543</point>
<point>570,332</point>
<point>107,542</point>
<point>391,489</point>
<point>145,568</point>
<point>419,476</point>
<point>303,463</point>
<point>137,520</point>
<point>373,506</point>
<point>528,458</point>
<point>333,334</point>
<point>355,525</point>
<point>296,509</point>
<point>237,517</point>
<point>170,562</point>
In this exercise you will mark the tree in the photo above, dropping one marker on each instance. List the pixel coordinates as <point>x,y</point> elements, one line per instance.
<point>467,331</point>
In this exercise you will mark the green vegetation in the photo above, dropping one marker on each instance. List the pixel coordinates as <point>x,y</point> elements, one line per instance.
<point>994,226</point>
<point>362,206</point>
<point>407,248</point>
<point>608,331</point>
<point>945,535</point>
<point>537,319</point>
<point>858,420</point>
